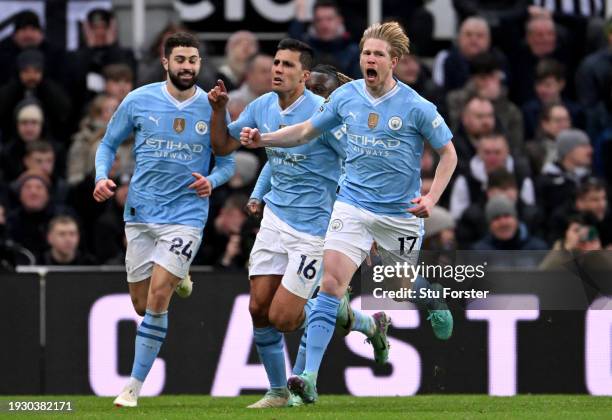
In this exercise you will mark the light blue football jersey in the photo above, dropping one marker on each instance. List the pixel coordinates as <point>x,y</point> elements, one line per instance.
<point>304,178</point>
<point>385,138</point>
<point>172,140</point>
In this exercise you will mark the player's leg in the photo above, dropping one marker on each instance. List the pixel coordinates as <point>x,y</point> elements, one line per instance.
<point>174,249</point>
<point>138,293</point>
<point>399,240</point>
<point>267,264</point>
<point>139,263</point>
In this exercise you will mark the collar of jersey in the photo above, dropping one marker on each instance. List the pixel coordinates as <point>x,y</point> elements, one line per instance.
<point>375,101</point>
<point>291,107</point>
<point>177,103</point>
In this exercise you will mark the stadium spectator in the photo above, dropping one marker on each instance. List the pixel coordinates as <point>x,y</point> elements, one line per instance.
<point>239,48</point>
<point>80,161</point>
<point>63,238</point>
<point>31,82</point>
<point>486,82</point>
<point>40,156</point>
<point>492,154</point>
<point>592,198</point>
<point>540,42</point>
<point>542,150</point>
<point>477,120</point>
<point>101,49</point>
<point>29,123</point>
<point>439,231</point>
<point>501,182</point>
<point>580,235</point>
<point>28,34</point>
<point>560,179</point>
<point>228,227</point>
<point>451,69</point>
<point>27,224</point>
<point>258,80</point>
<point>549,85</point>
<point>599,127</point>
<point>411,71</point>
<point>149,70</point>
<point>109,243</point>
<point>594,72</point>
<point>506,232</point>
<point>118,80</point>
<point>327,36</point>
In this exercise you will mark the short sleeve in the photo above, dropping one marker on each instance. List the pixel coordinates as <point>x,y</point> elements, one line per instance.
<point>246,119</point>
<point>327,116</point>
<point>432,126</point>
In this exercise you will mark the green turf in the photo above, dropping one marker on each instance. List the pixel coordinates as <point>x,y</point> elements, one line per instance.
<point>336,407</point>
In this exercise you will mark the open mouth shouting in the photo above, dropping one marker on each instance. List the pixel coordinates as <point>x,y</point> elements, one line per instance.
<point>371,75</point>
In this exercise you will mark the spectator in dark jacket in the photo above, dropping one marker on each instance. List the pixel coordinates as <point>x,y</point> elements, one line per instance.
<point>559,180</point>
<point>328,37</point>
<point>594,72</point>
<point>506,232</point>
<point>542,150</point>
<point>63,238</point>
<point>411,71</point>
<point>477,120</point>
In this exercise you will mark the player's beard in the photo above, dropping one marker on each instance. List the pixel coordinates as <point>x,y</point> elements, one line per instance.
<point>180,84</point>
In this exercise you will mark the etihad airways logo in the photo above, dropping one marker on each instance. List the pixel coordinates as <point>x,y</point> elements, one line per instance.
<point>174,149</point>
<point>284,158</point>
<point>369,141</point>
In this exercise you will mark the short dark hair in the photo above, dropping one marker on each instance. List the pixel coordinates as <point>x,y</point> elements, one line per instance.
<point>118,72</point>
<point>484,63</point>
<point>62,219</point>
<point>40,146</point>
<point>180,39</point>
<point>306,53</point>
<point>548,108</point>
<point>548,67</point>
<point>589,185</point>
<point>97,15</point>
<point>326,3</point>
<point>501,178</point>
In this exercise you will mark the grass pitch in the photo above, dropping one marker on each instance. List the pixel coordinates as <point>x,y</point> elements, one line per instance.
<point>332,407</point>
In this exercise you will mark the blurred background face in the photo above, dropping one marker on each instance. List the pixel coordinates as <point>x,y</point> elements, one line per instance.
<point>321,84</point>
<point>33,195</point>
<point>29,130</point>
<point>503,228</point>
<point>478,117</point>
<point>109,105</point>
<point>118,88</point>
<point>494,152</point>
<point>558,121</point>
<point>549,90</point>
<point>511,193</point>
<point>488,85</point>
<point>30,77</point>
<point>580,156</point>
<point>41,161</point>
<point>594,202</point>
<point>241,47</point>
<point>473,38</point>
<point>230,220</point>
<point>259,77</point>
<point>541,37</point>
<point>28,37</point>
<point>327,23</point>
<point>100,30</point>
<point>408,69</point>
<point>64,238</point>
<point>287,72</point>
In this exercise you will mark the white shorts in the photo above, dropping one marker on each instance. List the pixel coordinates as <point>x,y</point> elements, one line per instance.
<point>352,230</point>
<point>170,246</point>
<point>279,249</point>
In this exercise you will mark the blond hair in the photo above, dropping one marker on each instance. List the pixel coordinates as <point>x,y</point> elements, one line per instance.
<point>391,32</point>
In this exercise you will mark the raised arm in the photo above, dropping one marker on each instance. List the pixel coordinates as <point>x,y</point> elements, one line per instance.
<point>290,136</point>
<point>222,143</point>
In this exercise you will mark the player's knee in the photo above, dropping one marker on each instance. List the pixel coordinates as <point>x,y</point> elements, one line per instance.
<point>140,305</point>
<point>158,299</point>
<point>258,311</point>
<point>331,284</point>
<point>283,321</point>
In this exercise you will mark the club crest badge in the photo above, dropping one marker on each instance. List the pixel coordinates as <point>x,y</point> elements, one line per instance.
<point>395,123</point>
<point>179,125</point>
<point>201,128</point>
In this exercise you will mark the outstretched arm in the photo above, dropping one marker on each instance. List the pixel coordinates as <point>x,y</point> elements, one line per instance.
<point>222,143</point>
<point>224,169</point>
<point>293,135</point>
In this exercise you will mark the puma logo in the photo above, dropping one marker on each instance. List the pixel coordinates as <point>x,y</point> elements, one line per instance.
<point>156,121</point>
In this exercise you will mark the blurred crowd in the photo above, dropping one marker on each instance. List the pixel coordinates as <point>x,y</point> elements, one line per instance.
<point>526,87</point>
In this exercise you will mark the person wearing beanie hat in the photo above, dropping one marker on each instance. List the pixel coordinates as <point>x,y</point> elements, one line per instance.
<point>506,232</point>
<point>559,180</point>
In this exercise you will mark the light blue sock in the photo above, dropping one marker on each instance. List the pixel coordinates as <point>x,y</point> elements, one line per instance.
<point>270,346</point>
<point>320,330</point>
<point>363,323</point>
<point>300,360</point>
<point>422,284</point>
<point>150,336</point>
<point>307,311</point>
